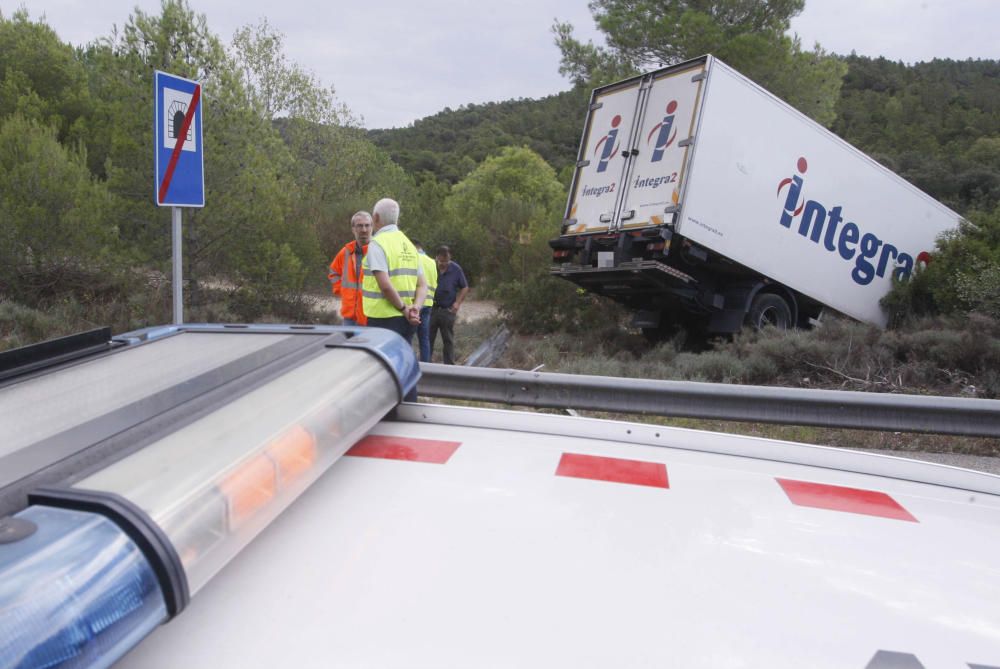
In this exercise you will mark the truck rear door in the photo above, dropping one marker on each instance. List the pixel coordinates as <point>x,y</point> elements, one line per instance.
<point>634,152</point>
<point>659,152</point>
<point>601,164</point>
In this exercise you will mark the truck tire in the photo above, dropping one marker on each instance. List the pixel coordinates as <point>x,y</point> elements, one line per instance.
<point>769,309</point>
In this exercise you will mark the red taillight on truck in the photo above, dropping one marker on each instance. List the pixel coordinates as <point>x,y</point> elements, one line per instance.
<point>556,255</point>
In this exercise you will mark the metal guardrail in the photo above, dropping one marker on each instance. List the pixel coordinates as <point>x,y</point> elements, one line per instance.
<point>758,404</point>
<point>490,350</point>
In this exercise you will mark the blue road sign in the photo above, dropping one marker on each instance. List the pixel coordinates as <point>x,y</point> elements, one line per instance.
<point>180,164</point>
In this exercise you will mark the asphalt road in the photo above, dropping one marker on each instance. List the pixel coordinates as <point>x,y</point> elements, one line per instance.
<point>976,462</point>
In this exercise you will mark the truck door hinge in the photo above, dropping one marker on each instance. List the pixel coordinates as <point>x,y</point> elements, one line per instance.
<point>628,214</point>
<point>582,163</point>
<point>596,106</point>
<point>701,75</point>
<point>672,209</point>
<point>604,218</point>
<point>686,142</point>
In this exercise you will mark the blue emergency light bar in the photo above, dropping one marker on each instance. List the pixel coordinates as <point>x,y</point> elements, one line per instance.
<point>91,568</point>
<point>74,592</point>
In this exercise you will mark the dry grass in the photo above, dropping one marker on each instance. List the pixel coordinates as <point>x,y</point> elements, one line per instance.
<point>951,358</point>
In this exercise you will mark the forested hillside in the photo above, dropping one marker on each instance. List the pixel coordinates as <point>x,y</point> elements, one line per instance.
<point>451,143</point>
<point>937,124</point>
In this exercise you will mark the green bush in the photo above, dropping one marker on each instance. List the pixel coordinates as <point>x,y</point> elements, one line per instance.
<point>21,325</point>
<point>54,217</point>
<point>271,282</point>
<point>958,355</point>
<point>544,304</point>
<point>137,306</point>
<point>963,276</point>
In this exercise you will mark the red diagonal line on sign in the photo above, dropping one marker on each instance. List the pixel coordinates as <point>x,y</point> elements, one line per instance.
<point>195,97</point>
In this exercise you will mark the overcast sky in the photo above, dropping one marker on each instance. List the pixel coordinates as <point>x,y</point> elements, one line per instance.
<point>393,62</point>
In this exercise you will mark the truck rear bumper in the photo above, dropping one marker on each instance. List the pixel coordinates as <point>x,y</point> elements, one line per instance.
<point>629,281</point>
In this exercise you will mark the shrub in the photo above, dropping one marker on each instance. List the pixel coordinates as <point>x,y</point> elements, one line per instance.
<point>963,276</point>
<point>54,218</point>
<point>544,304</point>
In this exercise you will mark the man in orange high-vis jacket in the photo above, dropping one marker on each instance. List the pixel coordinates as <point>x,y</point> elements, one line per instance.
<point>346,274</point>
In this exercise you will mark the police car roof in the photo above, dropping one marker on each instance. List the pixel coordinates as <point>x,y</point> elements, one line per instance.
<point>457,537</point>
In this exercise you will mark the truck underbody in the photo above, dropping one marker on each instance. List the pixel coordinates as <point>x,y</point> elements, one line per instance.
<point>670,282</point>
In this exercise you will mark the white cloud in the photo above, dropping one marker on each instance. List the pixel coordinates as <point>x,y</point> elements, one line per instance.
<point>394,62</point>
<point>906,30</point>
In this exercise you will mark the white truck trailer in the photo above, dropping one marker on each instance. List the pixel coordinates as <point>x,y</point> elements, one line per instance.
<point>701,199</point>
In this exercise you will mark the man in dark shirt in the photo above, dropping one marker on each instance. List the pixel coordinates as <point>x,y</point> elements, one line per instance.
<point>451,291</point>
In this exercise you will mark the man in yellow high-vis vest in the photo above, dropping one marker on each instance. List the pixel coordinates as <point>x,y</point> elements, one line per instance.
<point>424,328</point>
<point>394,286</point>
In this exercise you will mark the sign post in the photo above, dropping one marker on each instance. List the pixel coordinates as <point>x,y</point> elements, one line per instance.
<point>180,161</point>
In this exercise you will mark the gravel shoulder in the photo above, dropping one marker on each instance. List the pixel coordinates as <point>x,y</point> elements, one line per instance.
<point>979,463</point>
<point>472,310</point>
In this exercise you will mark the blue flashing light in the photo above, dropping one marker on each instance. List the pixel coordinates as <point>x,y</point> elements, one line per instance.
<point>392,349</point>
<point>77,593</point>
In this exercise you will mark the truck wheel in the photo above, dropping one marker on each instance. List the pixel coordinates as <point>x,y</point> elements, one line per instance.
<point>769,309</point>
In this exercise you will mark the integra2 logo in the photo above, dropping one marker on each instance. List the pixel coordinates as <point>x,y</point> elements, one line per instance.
<point>823,226</point>
<point>609,143</point>
<point>664,138</point>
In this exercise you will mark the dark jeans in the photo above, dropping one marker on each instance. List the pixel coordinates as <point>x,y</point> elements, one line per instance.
<point>443,320</point>
<point>402,327</point>
<point>397,324</point>
<point>424,334</point>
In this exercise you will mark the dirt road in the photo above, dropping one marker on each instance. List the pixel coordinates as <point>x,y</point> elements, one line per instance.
<point>472,309</point>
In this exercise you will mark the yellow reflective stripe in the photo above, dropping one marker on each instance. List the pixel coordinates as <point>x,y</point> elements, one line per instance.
<point>403,272</point>
<point>378,296</point>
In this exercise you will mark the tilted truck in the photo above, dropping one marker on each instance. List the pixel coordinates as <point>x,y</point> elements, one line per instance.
<point>700,199</point>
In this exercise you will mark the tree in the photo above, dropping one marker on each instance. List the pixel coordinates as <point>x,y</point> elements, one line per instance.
<point>337,171</point>
<point>450,144</point>
<point>963,276</point>
<point>275,87</point>
<point>500,218</point>
<point>54,224</point>
<point>245,233</point>
<point>936,124</point>
<point>120,73</point>
<point>509,201</point>
<point>747,34</point>
<point>40,77</point>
